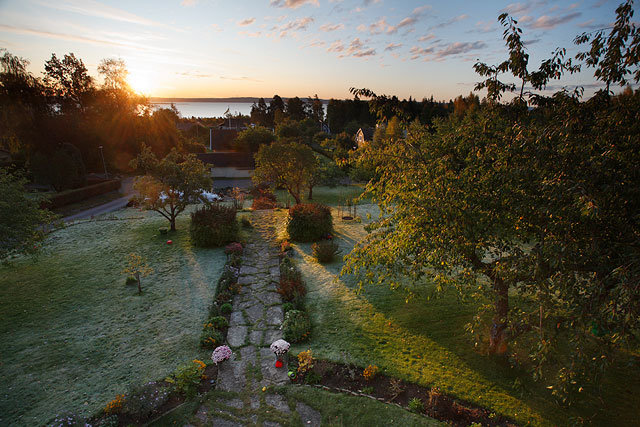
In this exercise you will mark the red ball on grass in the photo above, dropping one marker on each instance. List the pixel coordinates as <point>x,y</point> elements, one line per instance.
<point>169,242</point>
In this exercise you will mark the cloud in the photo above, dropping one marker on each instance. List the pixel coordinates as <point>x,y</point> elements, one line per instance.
<point>363,53</point>
<point>410,20</point>
<point>392,46</point>
<point>531,41</point>
<point>358,49</point>
<point>331,27</point>
<point>449,22</point>
<point>549,22</point>
<point>298,24</point>
<point>246,22</point>
<point>426,38</point>
<point>316,43</point>
<point>378,27</point>
<point>336,46</point>
<point>99,10</point>
<point>189,3</point>
<point>292,4</point>
<point>459,48</point>
<point>241,78</point>
<point>417,52</point>
<point>483,27</point>
<point>370,2</point>
<point>254,34</point>
<point>215,27</point>
<point>196,74</point>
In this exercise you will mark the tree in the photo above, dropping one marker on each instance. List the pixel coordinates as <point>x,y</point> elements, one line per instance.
<point>251,139</point>
<point>171,184</point>
<point>286,164</point>
<point>69,82</point>
<point>315,109</point>
<point>296,109</point>
<point>23,224</point>
<point>137,267</point>
<point>260,114</point>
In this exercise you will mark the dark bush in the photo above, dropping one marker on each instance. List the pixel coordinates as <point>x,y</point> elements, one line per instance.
<point>213,225</point>
<point>72,196</point>
<point>219,322</point>
<point>226,308</point>
<point>296,326</point>
<point>210,337</point>
<point>263,203</point>
<point>291,291</point>
<point>309,222</point>
<point>325,250</point>
<point>287,307</point>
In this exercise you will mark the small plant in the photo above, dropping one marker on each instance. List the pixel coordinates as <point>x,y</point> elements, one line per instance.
<point>234,248</point>
<point>238,198</point>
<point>309,222</point>
<point>210,336</point>
<point>245,222</point>
<point>115,405</point>
<point>224,297</point>
<point>312,377</point>
<point>67,419</point>
<point>305,361</point>
<point>226,308</point>
<point>325,250</point>
<point>213,225</point>
<point>187,378</point>
<point>143,400</point>
<point>220,354</point>
<point>291,290</point>
<point>285,246</point>
<point>296,326</point>
<point>288,270</point>
<point>416,405</point>
<point>218,322</point>
<point>287,307</point>
<point>368,390</point>
<point>370,372</point>
<point>137,267</point>
<point>263,202</point>
<point>108,421</point>
<point>395,387</point>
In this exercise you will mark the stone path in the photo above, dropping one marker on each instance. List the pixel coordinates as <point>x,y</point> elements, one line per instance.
<point>255,323</point>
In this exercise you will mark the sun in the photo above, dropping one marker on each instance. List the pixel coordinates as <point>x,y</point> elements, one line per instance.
<point>142,81</point>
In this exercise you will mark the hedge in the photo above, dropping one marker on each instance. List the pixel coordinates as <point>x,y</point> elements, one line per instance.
<point>79,194</point>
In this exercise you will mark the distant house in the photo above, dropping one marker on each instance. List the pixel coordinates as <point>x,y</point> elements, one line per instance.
<point>228,164</point>
<point>363,136</point>
<point>5,157</point>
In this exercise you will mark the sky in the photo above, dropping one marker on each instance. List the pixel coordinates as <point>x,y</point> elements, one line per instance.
<point>221,48</point>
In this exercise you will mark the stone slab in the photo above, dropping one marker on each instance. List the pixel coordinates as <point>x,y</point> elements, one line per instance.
<point>308,415</point>
<point>274,316</point>
<point>277,402</point>
<point>236,336</point>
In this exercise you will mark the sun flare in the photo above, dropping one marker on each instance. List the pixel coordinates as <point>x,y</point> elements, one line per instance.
<point>142,81</point>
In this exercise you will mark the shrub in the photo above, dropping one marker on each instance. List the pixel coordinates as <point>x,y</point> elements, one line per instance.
<point>416,405</point>
<point>224,297</point>
<point>235,260</point>
<point>291,290</point>
<point>234,248</point>
<point>213,225</point>
<point>219,322</point>
<point>288,271</point>
<point>296,326</point>
<point>214,310</point>
<point>245,222</point>
<point>309,222</point>
<point>305,361</point>
<point>264,203</point>
<point>325,250</point>
<point>287,306</point>
<point>370,372</point>
<point>115,405</point>
<point>187,378</point>
<point>143,400</point>
<point>210,336</point>
<point>226,308</point>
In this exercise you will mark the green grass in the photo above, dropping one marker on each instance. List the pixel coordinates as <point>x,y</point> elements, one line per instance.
<point>73,335</point>
<point>333,196</point>
<point>425,342</point>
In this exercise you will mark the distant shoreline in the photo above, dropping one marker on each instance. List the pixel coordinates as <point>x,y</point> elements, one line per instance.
<point>231,100</point>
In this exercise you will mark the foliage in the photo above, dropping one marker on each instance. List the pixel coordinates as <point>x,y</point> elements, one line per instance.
<point>291,290</point>
<point>213,225</point>
<point>64,169</point>
<point>305,361</point>
<point>296,326</point>
<point>187,378</point>
<point>218,322</point>
<point>171,184</point>
<point>115,406</point>
<point>263,203</point>
<point>287,306</point>
<point>137,267</point>
<point>325,250</point>
<point>22,222</point>
<point>226,308</point>
<point>233,248</point>
<point>68,80</point>
<point>285,164</point>
<point>141,401</point>
<point>210,337</point>
<point>309,222</point>
<point>288,270</point>
<point>416,405</point>
<point>370,372</point>
<point>251,139</point>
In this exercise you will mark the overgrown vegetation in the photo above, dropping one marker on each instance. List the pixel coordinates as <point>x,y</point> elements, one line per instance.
<point>309,222</point>
<point>213,225</point>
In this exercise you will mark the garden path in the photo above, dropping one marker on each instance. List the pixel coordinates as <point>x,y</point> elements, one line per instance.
<point>255,323</point>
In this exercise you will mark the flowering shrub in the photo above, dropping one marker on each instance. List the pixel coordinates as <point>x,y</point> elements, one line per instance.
<point>233,248</point>
<point>280,347</point>
<point>325,250</point>
<point>309,222</point>
<point>370,372</point>
<point>218,322</point>
<point>115,405</point>
<point>296,326</point>
<point>263,202</point>
<point>220,354</point>
<point>305,361</point>
<point>187,378</point>
<point>142,401</point>
<point>210,336</point>
<point>291,290</point>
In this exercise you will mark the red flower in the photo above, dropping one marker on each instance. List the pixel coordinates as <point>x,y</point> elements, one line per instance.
<point>278,364</point>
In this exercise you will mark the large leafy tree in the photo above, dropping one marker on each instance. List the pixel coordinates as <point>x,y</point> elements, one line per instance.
<point>68,80</point>
<point>285,164</point>
<point>169,185</point>
<point>534,214</point>
<point>23,224</point>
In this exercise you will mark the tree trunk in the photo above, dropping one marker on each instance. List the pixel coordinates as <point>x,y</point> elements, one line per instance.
<point>296,197</point>
<point>172,221</point>
<point>139,286</point>
<point>310,196</point>
<point>498,338</point>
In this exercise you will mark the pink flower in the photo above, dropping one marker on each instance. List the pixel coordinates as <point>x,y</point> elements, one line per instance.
<point>220,354</point>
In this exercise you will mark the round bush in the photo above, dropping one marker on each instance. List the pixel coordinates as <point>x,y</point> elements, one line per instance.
<point>213,225</point>
<point>226,308</point>
<point>325,250</point>
<point>296,326</point>
<point>309,222</point>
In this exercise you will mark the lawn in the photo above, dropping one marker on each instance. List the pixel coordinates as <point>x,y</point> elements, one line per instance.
<point>425,342</point>
<point>73,335</point>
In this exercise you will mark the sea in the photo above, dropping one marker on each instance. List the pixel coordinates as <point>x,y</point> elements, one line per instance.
<point>207,109</point>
